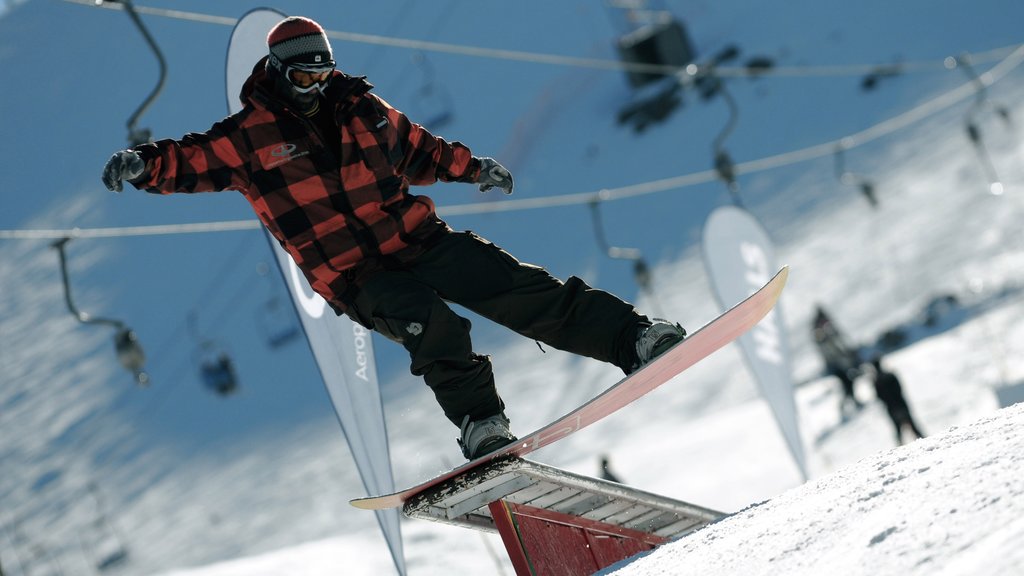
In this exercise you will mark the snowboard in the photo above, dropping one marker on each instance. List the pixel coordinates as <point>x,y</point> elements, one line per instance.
<point>694,348</point>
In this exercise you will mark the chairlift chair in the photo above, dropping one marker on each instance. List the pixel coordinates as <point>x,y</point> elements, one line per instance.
<point>436,107</point>
<point>129,351</point>
<point>219,375</point>
<point>276,321</point>
<point>216,370</point>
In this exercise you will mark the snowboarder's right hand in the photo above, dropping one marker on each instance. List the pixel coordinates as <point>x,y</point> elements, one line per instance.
<point>493,175</point>
<point>123,165</point>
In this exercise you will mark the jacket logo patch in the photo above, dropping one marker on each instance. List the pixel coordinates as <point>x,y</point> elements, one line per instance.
<point>283,151</point>
<point>280,154</point>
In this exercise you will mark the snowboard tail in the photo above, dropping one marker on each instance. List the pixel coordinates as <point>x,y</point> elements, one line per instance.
<point>697,346</point>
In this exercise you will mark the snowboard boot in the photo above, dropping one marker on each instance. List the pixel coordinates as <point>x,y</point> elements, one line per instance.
<point>655,339</point>
<point>484,436</point>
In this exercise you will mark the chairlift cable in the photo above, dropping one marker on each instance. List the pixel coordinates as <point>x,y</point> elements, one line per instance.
<point>879,130</point>
<point>559,60</point>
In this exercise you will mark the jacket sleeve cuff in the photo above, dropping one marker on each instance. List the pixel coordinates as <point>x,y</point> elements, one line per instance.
<point>148,152</point>
<point>472,174</point>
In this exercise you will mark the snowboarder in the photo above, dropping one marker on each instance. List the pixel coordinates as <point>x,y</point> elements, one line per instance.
<point>841,360</point>
<point>327,165</point>
<point>889,390</point>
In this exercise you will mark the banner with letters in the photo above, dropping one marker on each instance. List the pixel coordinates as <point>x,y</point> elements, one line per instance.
<point>343,349</point>
<point>740,257</point>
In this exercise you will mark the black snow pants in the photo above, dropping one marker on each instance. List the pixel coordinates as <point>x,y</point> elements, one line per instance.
<point>407,303</point>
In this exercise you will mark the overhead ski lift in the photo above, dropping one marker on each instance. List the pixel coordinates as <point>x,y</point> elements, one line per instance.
<point>136,135</point>
<point>107,548</point>
<point>126,344</point>
<point>434,101</point>
<point>641,271</point>
<point>216,369</point>
<point>709,86</point>
<point>650,36</point>
<point>724,166</point>
<point>848,178</point>
<point>661,39</point>
<point>276,317</point>
<point>276,320</point>
<point>880,73</point>
<point>981,104</point>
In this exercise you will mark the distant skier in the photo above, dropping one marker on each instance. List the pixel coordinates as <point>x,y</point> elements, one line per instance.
<point>841,360</point>
<point>606,470</point>
<point>889,390</point>
<point>327,166</point>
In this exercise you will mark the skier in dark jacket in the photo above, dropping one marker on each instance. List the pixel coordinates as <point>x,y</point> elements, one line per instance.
<point>840,359</point>
<point>889,390</point>
<point>606,471</point>
<point>327,165</point>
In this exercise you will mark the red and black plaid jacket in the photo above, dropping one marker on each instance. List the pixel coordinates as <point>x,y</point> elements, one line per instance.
<point>329,210</point>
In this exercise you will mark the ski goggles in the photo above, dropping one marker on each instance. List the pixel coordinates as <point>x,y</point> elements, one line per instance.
<point>305,79</point>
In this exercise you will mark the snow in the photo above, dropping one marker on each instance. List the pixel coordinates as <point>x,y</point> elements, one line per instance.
<point>195,485</point>
<point>947,504</point>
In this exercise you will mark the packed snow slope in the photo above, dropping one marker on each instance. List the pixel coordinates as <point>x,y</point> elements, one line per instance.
<point>949,505</point>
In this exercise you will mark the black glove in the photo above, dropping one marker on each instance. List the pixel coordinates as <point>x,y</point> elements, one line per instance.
<point>123,165</point>
<point>493,174</point>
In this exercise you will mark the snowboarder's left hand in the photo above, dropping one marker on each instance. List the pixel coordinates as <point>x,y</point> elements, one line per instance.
<point>123,165</point>
<point>493,174</point>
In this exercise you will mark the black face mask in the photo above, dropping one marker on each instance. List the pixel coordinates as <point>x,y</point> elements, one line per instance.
<point>304,103</point>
